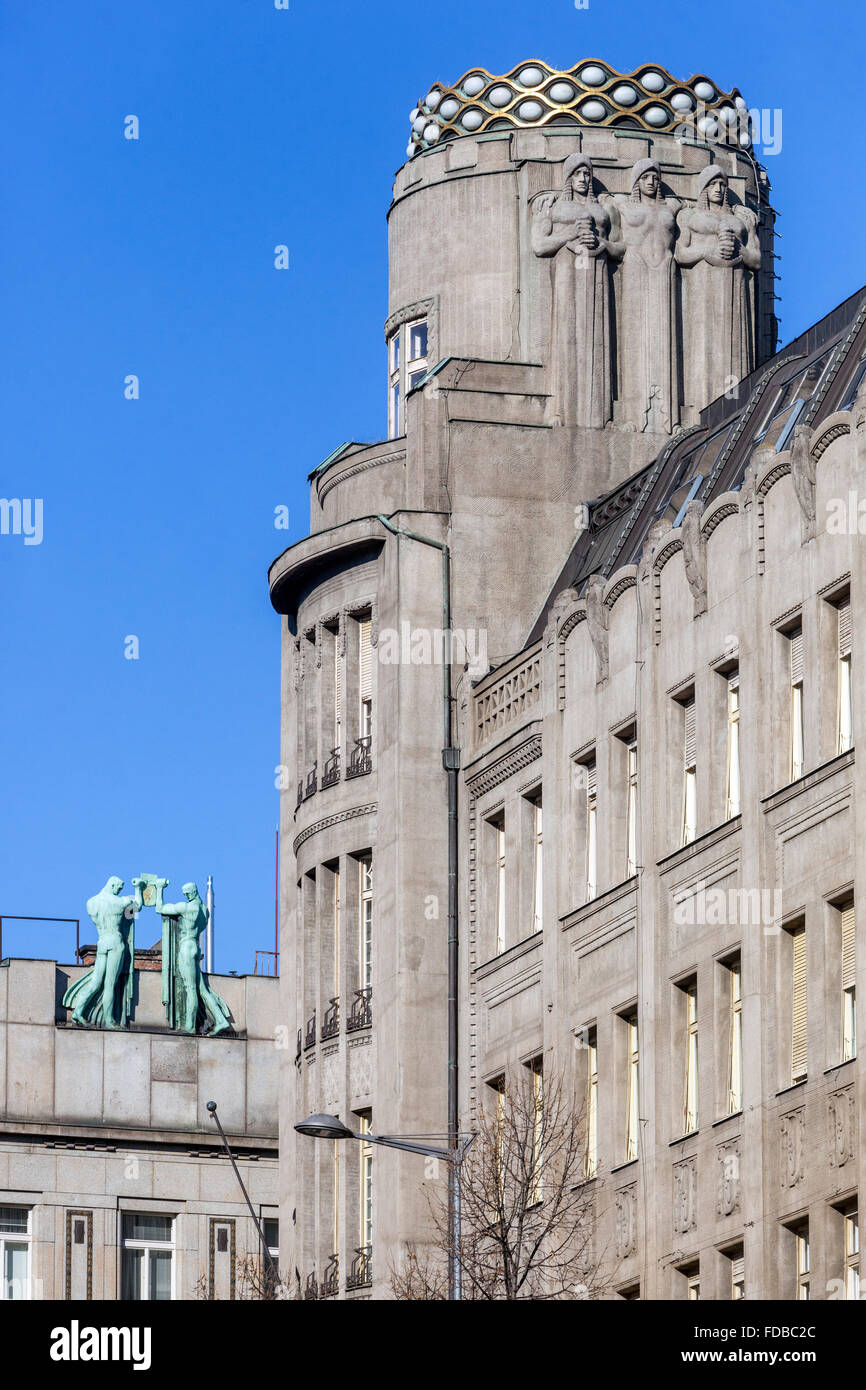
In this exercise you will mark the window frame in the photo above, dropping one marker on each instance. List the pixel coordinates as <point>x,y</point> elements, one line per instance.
<point>150,1246</point>
<point>17,1239</point>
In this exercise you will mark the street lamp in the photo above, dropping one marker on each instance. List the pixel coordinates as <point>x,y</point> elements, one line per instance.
<point>273,1274</point>
<point>331,1127</point>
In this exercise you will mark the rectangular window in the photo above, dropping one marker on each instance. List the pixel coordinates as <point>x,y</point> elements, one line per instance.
<point>735,1039</point>
<point>738,1274</point>
<point>632,1140</point>
<point>336,915</point>
<point>852,1254</point>
<point>631,810</point>
<point>845,718</point>
<point>365,670</point>
<point>536,1181</point>
<point>365,951</point>
<point>500,886</point>
<point>147,1268</point>
<point>538,918</point>
<point>591,1159</point>
<point>272,1237</point>
<point>799,1020</point>
<point>338,692</point>
<point>690,1095</point>
<point>693,1284</point>
<point>733,780</point>
<point>394,383</point>
<point>591,833</point>
<point>335,1248</point>
<point>365,1228</point>
<point>407,368</point>
<point>15,1239</point>
<point>798,760</point>
<point>849,986</point>
<point>689,829</point>
<point>803,1262</point>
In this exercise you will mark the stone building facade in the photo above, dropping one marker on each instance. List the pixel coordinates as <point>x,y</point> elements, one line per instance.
<point>651,519</point>
<point>113,1181</point>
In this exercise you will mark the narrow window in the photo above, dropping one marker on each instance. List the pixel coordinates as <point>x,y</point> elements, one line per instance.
<point>538,919</point>
<point>693,1283</point>
<point>690,774</point>
<point>338,693</point>
<point>365,1229</point>
<point>394,392</point>
<point>733,781</point>
<point>849,987</point>
<point>147,1266</point>
<point>631,810</point>
<point>803,1262</point>
<point>536,1180</point>
<point>735,1036</point>
<point>500,885</point>
<point>272,1237</point>
<point>15,1239</point>
<point>690,1096</point>
<point>738,1274</point>
<point>591,1159</point>
<point>416,363</point>
<point>633,1090</point>
<point>852,1254</point>
<point>335,1248</point>
<point>798,761</point>
<point>798,1005</point>
<point>365,669</point>
<point>591,833</point>
<point>845,719</point>
<point>365,954</point>
<point>336,917</point>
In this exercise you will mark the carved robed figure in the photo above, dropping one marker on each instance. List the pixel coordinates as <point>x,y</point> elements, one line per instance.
<point>583,239</point>
<point>719,253</point>
<point>650,375</point>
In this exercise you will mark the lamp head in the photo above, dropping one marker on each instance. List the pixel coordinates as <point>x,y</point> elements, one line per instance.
<point>211,1105</point>
<point>324,1127</point>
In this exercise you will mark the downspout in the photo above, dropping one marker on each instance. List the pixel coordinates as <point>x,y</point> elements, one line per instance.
<point>451,764</point>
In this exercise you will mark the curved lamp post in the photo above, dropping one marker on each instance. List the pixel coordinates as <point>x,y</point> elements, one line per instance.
<point>268,1258</point>
<point>331,1127</point>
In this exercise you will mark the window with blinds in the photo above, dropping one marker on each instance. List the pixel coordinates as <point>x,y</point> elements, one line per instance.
<point>732,806</point>
<point>538,870</point>
<point>735,1038</point>
<point>689,826</point>
<point>738,1275</point>
<point>798,1005</point>
<point>845,718</point>
<point>690,1090</point>
<point>591,832</point>
<point>591,1157</point>
<point>631,811</point>
<point>849,989</point>
<point>365,675</point>
<point>633,1090</point>
<point>798,760</point>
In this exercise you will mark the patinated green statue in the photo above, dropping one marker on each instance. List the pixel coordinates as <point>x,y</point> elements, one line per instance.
<point>104,995</point>
<point>189,1001</point>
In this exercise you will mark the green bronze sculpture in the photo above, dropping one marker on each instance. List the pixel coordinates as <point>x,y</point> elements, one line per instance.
<point>189,1001</point>
<point>104,995</point>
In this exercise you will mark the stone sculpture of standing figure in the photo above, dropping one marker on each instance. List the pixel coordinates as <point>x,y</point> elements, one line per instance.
<point>649,340</point>
<point>104,995</point>
<point>186,994</point>
<point>718,248</point>
<point>583,237</point>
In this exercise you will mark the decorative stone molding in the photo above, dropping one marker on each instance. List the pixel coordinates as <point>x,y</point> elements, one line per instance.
<point>504,767</point>
<point>728,1156</point>
<point>832,429</point>
<point>695,555</point>
<point>597,618</point>
<point>622,581</point>
<point>509,698</point>
<point>685,1196</point>
<point>328,821</point>
<point>332,480</point>
<point>72,1232</point>
<point>625,1200</point>
<point>726,505</point>
<point>792,1133</point>
<point>841,1126</point>
<point>803,477</point>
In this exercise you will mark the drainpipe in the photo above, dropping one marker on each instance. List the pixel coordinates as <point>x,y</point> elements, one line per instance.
<point>451,764</point>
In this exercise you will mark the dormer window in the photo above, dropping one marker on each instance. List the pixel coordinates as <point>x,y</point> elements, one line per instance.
<point>407,367</point>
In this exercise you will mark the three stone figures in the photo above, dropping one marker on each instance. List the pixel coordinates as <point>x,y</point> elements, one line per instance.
<point>652,303</point>
<point>104,995</point>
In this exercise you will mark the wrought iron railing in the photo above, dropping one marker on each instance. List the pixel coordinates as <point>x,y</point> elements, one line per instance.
<point>331,770</point>
<point>311,1288</point>
<point>311,782</point>
<point>310,1033</point>
<point>331,1021</point>
<point>330,1285</point>
<point>360,1274</point>
<point>361,1012</point>
<point>361,761</point>
<point>300,1048</point>
<point>300,793</point>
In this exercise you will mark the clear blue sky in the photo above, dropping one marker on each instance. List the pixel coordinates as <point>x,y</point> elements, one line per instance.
<point>257,127</point>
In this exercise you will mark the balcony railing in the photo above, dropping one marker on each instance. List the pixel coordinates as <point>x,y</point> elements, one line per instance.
<point>311,1287</point>
<point>311,783</point>
<point>361,761</point>
<point>361,1012</point>
<point>300,1048</point>
<point>330,1285</point>
<point>331,1021</point>
<point>360,1275</point>
<point>310,1033</point>
<point>331,770</point>
<point>300,793</point>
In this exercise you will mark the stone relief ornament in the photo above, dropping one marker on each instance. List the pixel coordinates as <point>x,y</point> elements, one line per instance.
<point>803,476</point>
<point>718,248</point>
<point>792,1130</point>
<point>685,1196</point>
<point>695,554</point>
<point>729,1178</point>
<point>625,1221</point>
<point>650,379</point>
<point>103,996</point>
<point>583,239</point>
<point>596,620</point>
<point>840,1117</point>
